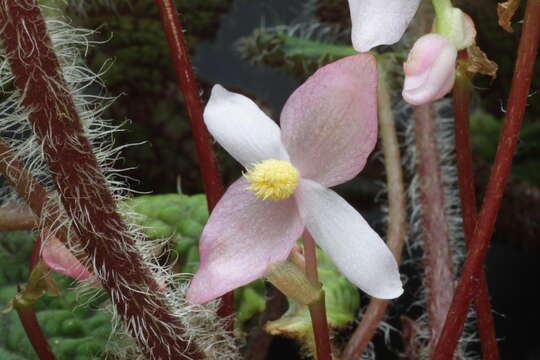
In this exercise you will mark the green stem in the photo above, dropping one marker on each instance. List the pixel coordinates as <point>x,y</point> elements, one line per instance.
<point>442,8</point>
<point>443,17</point>
<point>317,310</point>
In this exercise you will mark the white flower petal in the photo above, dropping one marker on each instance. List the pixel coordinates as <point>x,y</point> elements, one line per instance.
<point>378,22</point>
<point>358,252</point>
<point>242,128</point>
<point>243,236</point>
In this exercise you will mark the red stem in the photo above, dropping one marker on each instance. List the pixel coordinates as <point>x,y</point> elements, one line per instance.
<point>190,90</point>
<point>467,194</point>
<point>34,194</point>
<point>438,255</point>
<point>317,310</point>
<point>479,244</point>
<point>37,338</point>
<point>83,189</point>
<point>28,318</point>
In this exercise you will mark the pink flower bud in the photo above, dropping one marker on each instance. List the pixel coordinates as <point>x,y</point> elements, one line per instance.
<point>429,70</point>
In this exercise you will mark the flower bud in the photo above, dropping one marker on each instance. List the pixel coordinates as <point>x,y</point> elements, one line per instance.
<point>429,70</point>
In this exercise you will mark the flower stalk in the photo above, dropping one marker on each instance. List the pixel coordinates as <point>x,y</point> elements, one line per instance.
<point>83,189</point>
<point>396,233</point>
<point>467,194</point>
<point>438,254</point>
<point>517,100</point>
<point>317,310</point>
<point>27,313</point>
<point>187,82</point>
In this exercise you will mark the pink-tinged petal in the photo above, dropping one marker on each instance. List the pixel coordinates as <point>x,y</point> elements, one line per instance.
<point>358,252</point>
<point>59,259</point>
<point>329,124</point>
<point>242,237</point>
<point>429,70</point>
<point>242,128</point>
<point>378,22</point>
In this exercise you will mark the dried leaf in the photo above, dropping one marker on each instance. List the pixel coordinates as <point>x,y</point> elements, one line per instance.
<point>479,63</point>
<point>506,11</point>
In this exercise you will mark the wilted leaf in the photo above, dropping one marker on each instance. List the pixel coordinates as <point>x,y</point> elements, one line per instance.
<point>506,11</point>
<point>479,63</point>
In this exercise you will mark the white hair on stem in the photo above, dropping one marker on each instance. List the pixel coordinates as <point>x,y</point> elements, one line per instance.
<point>446,145</point>
<point>200,324</point>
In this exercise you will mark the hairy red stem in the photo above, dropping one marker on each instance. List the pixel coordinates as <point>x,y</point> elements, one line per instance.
<point>479,244</point>
<point>396,232</point>
<point>317,310</point>
<point>21,180</point>
<point>83,189</point>
<point>34,194</point>
<point>467,194</point>
<point>438,255</point>
<point>190,90</point>
<point>409,336</point>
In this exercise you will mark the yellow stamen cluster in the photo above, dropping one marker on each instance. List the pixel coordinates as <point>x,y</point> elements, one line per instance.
<point>273,179</point>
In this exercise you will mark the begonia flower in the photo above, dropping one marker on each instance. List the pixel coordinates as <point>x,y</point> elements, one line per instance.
<point>328,130</point>
<point>429,70</point>
<point>379,22</point>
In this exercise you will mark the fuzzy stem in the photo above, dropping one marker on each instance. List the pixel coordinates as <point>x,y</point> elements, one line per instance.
<point>438,255</point>
<point>190,90</point>
<point>21,180</point>
<point>317,310</point>
<point>83,189</point>
<point>33,193</point>
<point>467,194</point>
<point>409,334</point>
<point>15,217</point>
<point>396,233</point>
<point>479,244</point>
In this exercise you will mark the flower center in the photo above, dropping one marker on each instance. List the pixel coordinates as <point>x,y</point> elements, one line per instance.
<point>273,179</point>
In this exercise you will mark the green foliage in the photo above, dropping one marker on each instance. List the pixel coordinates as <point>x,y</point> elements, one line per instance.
<point>182,218</point>
<point>74,328</point>
<point>299,56</point>
<point>178,216</point>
